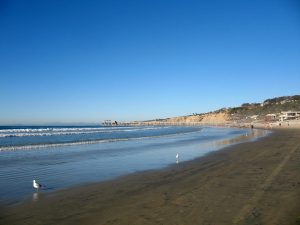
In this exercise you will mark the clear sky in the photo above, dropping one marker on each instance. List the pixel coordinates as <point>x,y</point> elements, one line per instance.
<point>86,61</point>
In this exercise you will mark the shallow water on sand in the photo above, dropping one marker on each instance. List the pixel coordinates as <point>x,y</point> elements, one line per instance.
<point>66,165</point>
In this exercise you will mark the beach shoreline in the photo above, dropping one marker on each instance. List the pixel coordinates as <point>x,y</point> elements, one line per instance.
<point>240,184</point>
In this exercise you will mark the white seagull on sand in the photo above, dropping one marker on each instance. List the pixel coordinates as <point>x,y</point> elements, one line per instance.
<point>36,185</point>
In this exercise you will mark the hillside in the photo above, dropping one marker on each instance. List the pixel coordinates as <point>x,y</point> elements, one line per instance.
<point>269,106</point>
<point>247,112</point>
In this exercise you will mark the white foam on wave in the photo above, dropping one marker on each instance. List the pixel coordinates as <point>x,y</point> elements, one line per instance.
<point>67,131</point>
<point>55,133</point>
<point>23,130</point>
<point>54,145</point>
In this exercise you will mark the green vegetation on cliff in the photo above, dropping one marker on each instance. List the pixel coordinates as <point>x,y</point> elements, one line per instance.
<point>269,106</point>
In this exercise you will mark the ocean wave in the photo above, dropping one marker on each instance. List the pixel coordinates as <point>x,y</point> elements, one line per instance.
<point>24,147</point>
<point>53,145</point>
<point>23,130</point>
<point>66,131</point>
<point>55,133</point>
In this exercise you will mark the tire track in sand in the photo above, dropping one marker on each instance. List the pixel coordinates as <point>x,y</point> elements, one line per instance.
<point>249,207</point>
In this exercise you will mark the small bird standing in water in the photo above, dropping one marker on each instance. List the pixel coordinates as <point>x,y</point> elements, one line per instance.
<point>36,185</point>
<point>177,158</point>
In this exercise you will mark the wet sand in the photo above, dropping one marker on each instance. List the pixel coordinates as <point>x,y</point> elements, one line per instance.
<point>250,183</point>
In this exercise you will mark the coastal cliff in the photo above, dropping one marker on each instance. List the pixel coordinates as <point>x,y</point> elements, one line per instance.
<point>214,117</point>
<point>268,111</point>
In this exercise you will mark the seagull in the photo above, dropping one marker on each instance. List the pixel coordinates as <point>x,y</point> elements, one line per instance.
<point>36,185</point>
<point>177,157</point>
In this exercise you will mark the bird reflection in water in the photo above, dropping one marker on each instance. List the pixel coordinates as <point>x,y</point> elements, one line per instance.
<point>36,196</point>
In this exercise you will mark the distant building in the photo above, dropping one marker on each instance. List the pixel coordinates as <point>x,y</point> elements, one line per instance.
<point>289,115</point>
<point>254,117</point>
<point>271,117</point>
<point>107,123</point>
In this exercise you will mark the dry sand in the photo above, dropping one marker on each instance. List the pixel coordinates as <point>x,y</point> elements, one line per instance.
<point>250,183</point>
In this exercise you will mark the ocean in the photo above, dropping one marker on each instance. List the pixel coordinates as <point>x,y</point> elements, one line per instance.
<point>65,156</point>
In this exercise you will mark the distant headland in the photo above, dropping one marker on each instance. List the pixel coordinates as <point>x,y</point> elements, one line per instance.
<point>279,111</point>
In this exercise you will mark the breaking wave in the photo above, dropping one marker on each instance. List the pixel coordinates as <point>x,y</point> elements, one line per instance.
<point>31,138</point>
<point>67,131</point>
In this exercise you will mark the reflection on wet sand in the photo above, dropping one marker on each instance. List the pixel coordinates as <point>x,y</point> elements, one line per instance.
<point>35,196</point>
<point>245,137</point>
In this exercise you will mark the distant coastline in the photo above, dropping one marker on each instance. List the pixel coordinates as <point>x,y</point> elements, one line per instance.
<point>268,114</point>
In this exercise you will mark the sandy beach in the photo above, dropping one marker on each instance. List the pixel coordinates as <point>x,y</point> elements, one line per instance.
<point>249,183</point>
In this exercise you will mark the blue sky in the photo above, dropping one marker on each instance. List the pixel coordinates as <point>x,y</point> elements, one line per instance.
<point>85,61</point>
